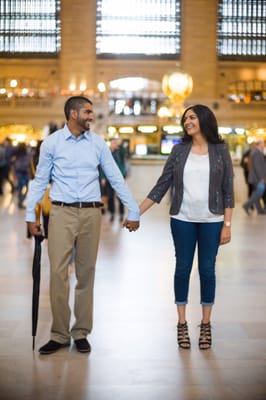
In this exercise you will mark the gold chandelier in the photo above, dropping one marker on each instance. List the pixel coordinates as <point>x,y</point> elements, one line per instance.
<point>177,85</point>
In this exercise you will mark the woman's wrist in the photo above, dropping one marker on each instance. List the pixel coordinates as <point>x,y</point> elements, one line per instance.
<point>227,224</point>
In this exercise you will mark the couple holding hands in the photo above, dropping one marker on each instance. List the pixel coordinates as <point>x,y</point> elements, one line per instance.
<point>199,170</point>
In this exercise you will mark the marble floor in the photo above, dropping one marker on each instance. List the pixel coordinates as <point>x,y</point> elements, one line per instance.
<point>134,350</point>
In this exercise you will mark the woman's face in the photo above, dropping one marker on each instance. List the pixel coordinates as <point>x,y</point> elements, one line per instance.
<point>191,123</point>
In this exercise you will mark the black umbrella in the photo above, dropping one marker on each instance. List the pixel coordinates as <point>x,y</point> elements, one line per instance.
<point>36,275</point>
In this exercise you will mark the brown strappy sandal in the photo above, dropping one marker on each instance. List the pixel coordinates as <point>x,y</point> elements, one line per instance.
<point>205,339</point>
<point>183,339</point>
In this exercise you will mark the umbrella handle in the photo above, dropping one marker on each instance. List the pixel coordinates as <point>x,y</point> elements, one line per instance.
<point>38,214</point>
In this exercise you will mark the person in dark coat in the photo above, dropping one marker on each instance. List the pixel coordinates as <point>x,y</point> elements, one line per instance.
<point>257,178</point>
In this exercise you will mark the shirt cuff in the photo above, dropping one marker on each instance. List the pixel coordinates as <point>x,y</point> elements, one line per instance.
<point>30,217</point>
<point>133,216</point>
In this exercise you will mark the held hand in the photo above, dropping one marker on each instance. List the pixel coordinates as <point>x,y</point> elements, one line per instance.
<point>225,235</point>
<point>34,229</point>
<point>132,226</point>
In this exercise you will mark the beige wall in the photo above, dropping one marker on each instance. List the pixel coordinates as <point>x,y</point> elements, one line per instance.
<point>199,21</point>
<point>77,63</point>
<point>77,58</point>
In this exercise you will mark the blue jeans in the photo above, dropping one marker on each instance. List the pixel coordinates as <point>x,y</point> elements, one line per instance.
<point>22,186</point>
<point>254,199</point>
<point>207,237</point>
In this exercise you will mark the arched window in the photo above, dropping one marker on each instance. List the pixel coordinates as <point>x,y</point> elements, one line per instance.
<point>29,27</point>
<point>138,28</point>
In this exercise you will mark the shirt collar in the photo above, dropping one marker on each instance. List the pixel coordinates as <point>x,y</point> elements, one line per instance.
<point>67,134</point>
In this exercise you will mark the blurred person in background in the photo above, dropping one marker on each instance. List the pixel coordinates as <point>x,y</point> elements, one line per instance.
<point>245,164</point>
<point>257,178</point>
<point>119,155</point>
<point>21,162</point>
<point>9,154</point>
<point>2,168</point>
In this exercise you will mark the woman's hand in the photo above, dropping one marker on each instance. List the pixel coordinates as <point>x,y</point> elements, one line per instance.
<point>225,235</point>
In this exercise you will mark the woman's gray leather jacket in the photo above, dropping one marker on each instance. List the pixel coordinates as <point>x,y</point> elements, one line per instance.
<point>221,191</point>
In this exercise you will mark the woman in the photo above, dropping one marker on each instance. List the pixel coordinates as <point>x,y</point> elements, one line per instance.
<point>200,170</point>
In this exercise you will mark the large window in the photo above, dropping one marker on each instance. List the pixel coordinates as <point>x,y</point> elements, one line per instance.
<point>138,28</point>
<point>242,29</point>
<point>29,27</point>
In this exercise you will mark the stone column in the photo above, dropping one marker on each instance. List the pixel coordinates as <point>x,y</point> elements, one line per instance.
<point>77,57</point>
<point>199,24</point>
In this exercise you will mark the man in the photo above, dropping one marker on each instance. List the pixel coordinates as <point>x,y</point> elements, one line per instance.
<point>69,159</point>
<point>257,178</point>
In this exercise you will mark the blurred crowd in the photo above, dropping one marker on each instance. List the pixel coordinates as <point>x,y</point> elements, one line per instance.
<point>17,168</point>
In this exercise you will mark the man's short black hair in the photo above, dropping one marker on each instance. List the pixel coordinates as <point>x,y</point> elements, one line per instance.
<point>75,103</point>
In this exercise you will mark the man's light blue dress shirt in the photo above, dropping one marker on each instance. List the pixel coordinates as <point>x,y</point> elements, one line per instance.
<point>71,164</point>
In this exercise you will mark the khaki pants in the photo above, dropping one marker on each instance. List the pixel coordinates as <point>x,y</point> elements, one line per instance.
<point>70,226</point>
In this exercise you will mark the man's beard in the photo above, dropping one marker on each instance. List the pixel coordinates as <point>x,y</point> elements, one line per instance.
<point>84,124</point>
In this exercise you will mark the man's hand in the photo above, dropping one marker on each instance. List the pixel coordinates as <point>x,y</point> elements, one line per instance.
<point>132,226</point>
<point>34,229</point>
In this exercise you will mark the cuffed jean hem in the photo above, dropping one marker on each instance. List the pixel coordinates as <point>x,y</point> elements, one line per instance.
<point>181,303</point>
<point>206,304</point>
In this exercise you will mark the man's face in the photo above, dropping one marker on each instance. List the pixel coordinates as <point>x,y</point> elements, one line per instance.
<point>84,117</point>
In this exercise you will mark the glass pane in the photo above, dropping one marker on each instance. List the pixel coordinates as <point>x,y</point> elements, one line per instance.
<point>242,29</point>
<point>138,27</point>
<point>29,26</point>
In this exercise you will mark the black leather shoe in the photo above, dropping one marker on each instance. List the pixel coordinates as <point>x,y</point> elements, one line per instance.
<point>52,347</point>
<point>83,345</point>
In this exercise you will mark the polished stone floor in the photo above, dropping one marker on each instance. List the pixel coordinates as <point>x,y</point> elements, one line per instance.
<point>134,351</point>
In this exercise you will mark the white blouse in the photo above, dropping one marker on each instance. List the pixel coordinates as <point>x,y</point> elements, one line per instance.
<point>195,204</point>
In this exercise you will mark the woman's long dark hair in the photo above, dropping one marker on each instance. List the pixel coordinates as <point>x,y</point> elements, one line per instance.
<point>207,121</point>
<point>21,150</point>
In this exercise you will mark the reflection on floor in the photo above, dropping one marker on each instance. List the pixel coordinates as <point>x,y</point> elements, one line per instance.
<point>134,351</point>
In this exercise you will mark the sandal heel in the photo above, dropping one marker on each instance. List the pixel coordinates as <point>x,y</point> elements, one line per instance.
<point>205,339</point>
<point>183,339</point>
